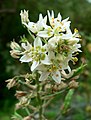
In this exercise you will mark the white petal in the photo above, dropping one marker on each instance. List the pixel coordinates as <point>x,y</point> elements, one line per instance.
<point>45,19</point>
<point>46,61</point>
<point>49,16</point>
<point>27,46</point>
<point>52,41</point>
<point>73,40</point>
<point>44,34</point>
<point>34,65</point>
<point>44,76</point>
<point>78,45</point>
<point>15,45</point>
<point>52,14</point>
<point>51,55</point>
<point>40,17</point>
<point>25,24</point>
<point>69,69</point>
<point>59,17</point>
<point>65,20</point>
<point>76,48</point>
<point>47,27</point>
<point>66,36</point>
<point>25,58</point>
<point>41,23</point>
<point>56,76</point>
<point>65,75</point>
<point>67,24</point>
<point>37,42</point>
<point>32,27</point>
<point>41,67</point>
<point>39,26</point>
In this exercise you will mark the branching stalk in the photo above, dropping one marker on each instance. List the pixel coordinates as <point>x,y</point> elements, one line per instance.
<point>51,95</point>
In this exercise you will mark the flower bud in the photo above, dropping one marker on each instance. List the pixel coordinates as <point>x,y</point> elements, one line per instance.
<point>11,83</point>
<point>73,84</point>
<point>16,49</point>
<point>20,94</point>
<point>24,16</point>
<point>62,85</point>
<point>23,102</point>
<point>48,87</point>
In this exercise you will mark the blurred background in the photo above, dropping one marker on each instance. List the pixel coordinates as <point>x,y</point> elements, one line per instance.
<point>79,12</point>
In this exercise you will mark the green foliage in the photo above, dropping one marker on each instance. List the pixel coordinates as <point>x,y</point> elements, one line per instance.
<point>67,101</point>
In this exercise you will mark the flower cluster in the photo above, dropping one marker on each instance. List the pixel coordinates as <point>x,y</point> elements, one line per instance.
<point>53,47</point>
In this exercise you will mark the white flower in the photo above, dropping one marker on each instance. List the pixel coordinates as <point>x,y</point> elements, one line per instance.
<point>54,69</point>
<point>62,50</point>
<point>57,26</point>
<point>60,46</point>
<point>36,27</point>
<point>56,76</point>
<point>33,27</point>
<point>49,71</point>
<point>27,53</point>
<point>36,54</point>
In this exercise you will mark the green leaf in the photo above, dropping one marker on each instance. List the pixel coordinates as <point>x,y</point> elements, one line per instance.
<point>67,101</point>
<point>77,71</point>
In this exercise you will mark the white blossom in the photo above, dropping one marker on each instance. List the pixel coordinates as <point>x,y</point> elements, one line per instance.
<point>57,26</point>
<point>35,54</point>
<point>54,46</point>
<point>33,27</point>
<point>49,71</point>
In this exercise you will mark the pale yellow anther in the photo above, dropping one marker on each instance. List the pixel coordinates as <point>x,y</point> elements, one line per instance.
<point>61,23</point>
<point>75,59</point>
<point>50,70</point>
<point>75,30</point>
<point>54,66</point>
<point>32,49</point>
<point>60,66</point>
<point>52,19</point>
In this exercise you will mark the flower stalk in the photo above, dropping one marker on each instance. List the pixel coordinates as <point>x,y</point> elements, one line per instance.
<point>38,96</point>
<point>54,46</point>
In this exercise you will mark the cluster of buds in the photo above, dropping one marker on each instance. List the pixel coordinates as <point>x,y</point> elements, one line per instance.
<point>53,47</point>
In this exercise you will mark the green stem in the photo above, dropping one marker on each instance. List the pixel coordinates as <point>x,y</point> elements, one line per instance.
<point>52,95</point>
<point>18,115</point>
<point>31,35</point>
<point>39,97</point>
<point>27,111</point>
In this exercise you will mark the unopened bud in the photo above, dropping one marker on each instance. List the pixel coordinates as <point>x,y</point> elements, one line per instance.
<point>73,84</point>
<point>23,102</point>
<point>24,16</point>
<point>15,46</point>
<point>55,88</point>
<point>11,83</point>
<point>20,94</point>
<point>48,87</point>
<point>14,54</point>
<point>62,85</point>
